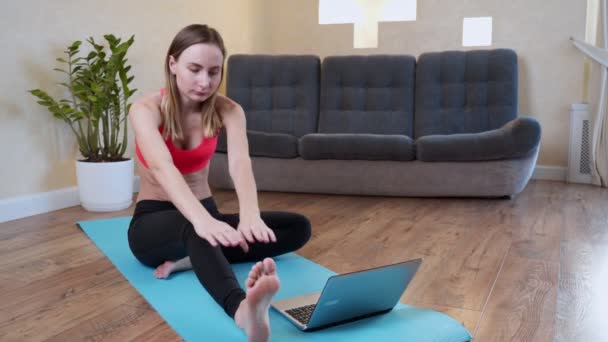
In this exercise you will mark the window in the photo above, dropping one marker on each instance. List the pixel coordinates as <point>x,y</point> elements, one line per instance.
<point>365,15</point>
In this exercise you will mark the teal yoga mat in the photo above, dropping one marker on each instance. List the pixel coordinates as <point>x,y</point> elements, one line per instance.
<point>193,314</point>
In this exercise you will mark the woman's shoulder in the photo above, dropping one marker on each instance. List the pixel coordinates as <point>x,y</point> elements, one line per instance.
<point>147,105</point>
<point>149,102</point>
<point>230,111</point>
<point>150,99</point>
<point>227,107</point>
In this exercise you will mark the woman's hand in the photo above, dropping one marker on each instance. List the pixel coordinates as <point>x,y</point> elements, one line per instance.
<point>253,228</point>
<point>216,231</point>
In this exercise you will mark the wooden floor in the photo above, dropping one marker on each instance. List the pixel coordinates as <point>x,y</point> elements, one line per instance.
<point>534,268</point>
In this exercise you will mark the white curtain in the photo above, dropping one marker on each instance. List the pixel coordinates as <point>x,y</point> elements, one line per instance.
<point>599,149</point>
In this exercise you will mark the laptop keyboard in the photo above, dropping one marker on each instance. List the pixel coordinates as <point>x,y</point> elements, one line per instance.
<point>302,314</point>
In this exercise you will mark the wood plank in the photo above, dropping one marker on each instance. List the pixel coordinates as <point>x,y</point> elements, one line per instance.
<point>68,313</point>
<point>26,271</point>
<point>540,238</point>
<point>25,239</point>
<point>467,273</point>
<point>522,304</point>
<point>43,250</point>
<point>122,323</point>
<point>582,301</point>
<point>53,290</point>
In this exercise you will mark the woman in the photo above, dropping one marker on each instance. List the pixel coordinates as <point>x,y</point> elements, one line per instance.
<point>175,218</point>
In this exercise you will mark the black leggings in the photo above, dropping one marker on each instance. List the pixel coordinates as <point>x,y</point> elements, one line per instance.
<point>159,232</point>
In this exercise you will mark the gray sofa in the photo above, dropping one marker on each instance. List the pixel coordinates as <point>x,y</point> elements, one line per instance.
<point>443,125</point>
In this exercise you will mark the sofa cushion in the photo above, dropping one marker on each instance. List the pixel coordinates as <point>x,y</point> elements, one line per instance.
<point>357,147</point>
<point>261,144</point>
<point>279,94</point>
<point>465,91</point>
<point>367,94</point>
<point>518,138</point>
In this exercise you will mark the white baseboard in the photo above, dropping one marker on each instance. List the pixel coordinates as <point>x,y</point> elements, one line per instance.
<point>29,205</point>
<point>44,202</point>
<point>555,173</point>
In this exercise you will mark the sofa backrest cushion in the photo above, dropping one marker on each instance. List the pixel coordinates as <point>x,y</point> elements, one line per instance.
<point>465,91</point>
<point>279,93</point>
<point>367,94</point>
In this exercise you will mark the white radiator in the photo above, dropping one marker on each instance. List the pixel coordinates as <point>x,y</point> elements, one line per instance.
<point>579,155</point>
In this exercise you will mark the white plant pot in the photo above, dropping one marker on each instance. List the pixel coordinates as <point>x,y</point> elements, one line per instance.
<point>105,186</point>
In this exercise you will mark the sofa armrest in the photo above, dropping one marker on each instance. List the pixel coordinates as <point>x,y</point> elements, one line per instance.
<point>342,146</point>
<point>262,144</point>
<point>517,138</point>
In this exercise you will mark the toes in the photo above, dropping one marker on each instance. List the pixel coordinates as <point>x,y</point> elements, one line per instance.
<point>269,266</point>
<point>258,269</point>
<point>255,272</point>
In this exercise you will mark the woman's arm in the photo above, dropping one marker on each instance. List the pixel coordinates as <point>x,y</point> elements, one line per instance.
<point>239,166</point>
<point>145,120</point>
<point>239,162</point>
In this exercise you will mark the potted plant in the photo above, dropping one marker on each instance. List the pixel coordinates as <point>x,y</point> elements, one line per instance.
<point>96,110</point>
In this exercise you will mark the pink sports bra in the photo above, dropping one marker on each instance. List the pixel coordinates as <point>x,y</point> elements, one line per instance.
<point>186,161</point>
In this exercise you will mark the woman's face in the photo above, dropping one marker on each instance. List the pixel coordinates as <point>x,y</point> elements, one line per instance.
<point>198,71</point>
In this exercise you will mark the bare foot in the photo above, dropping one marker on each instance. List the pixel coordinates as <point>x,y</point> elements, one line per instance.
<point>252,314</point>
<point>164,270</point>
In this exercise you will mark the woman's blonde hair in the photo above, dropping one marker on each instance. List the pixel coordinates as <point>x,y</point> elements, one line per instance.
<point>170,105</point>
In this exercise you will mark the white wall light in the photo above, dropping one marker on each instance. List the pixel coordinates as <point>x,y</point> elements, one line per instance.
<point>477,31</point>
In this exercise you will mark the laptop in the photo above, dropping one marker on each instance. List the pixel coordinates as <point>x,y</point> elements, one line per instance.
<point>349,297</point>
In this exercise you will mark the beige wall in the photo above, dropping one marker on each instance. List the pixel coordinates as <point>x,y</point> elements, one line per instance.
<point>38,152</point>
<point>550,68</point>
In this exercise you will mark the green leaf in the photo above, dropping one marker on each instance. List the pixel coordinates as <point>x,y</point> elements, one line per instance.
<point>60,70</point>
<point>75,45</point>
<point>96,88</point>
<point>61,60</point>
<point>37,92</point>
<point>58,116</point>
